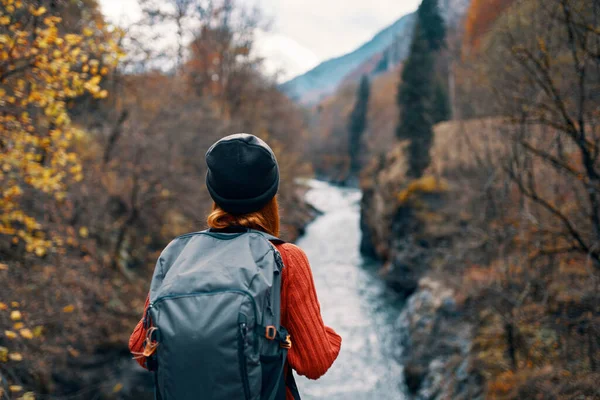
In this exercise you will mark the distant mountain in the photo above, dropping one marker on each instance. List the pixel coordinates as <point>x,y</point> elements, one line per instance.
<point>387,49</point>
<point>326,77</point>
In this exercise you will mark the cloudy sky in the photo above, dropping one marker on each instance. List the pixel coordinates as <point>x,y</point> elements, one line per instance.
<point>303,32</point>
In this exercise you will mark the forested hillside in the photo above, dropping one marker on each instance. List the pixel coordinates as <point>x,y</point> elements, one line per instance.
<point>102,164</point>
<point>488,224</point>
<point>496,240</point>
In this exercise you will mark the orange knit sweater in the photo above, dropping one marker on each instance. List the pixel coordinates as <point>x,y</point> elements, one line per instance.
<point>315,346</point>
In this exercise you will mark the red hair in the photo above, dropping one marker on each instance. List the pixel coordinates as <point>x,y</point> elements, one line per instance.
<point>266,219</point>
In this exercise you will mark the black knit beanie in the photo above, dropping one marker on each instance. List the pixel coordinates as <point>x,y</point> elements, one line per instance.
<point>243,175</point>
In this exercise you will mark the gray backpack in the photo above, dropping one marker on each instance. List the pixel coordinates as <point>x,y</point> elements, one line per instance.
<point>215,313</point>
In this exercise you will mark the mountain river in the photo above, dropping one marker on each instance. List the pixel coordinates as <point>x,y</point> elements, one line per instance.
<point>354,301</point>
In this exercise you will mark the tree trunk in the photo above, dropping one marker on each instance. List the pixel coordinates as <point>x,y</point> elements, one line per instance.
<point>509,329</point>
<point>591,347</point>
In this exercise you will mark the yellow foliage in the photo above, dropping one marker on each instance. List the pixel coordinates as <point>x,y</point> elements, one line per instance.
<point>69,309</point>
<point>10,334</point>
<point>3,354</point>
<point>38,331</point>
<point>15,388</point>
<point>15,315</point>
<point>426,184</point>
<point>83,232</point>
<point>26,333</point>
<point>15,357</point>
<point>37,12</point>
<point>40,71</point>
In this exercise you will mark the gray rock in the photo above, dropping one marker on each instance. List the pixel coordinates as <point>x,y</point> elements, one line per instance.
<point>437,345</point>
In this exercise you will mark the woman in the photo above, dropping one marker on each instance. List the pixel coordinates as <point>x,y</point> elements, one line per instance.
<point>243,179</point>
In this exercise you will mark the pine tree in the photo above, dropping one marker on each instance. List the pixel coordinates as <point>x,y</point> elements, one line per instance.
<point>441,104</point>
<point>416,123</point>
<point>357,123</point>
<point>417,91</point>
<point>432,24</point>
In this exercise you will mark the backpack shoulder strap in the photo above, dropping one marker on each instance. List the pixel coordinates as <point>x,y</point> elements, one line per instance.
<point>238,230</point>
<point>267,236</point>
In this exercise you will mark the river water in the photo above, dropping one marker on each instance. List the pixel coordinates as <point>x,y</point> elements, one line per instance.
<point>354,301</point>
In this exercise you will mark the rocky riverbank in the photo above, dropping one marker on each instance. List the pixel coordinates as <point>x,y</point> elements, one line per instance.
<point>408,227</point>
<point>437,340</point>
<point>487,313</point>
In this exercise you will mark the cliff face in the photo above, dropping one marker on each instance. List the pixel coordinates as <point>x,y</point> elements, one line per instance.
<point>480,319</point>
<point>416,228</point>
<point>404,223</point>
<point>413,226</point>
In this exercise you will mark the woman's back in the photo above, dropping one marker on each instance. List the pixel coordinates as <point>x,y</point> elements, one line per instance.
<point>243,179</point>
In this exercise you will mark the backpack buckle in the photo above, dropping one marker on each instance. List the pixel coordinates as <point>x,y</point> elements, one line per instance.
<point>287,344</point>
<point>271,332</point>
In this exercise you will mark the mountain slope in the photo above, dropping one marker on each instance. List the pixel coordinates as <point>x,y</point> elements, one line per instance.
<point>386,50</point>
<point>325,78</point>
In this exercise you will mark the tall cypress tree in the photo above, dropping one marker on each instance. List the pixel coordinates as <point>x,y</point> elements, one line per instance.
<point>357,123</point>
<point>417,90</point>
<point>432,24</point>
<point>441,104</point>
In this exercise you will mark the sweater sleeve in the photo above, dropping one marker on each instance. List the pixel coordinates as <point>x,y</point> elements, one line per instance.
<point>136,340</point>
<point>314,345</point>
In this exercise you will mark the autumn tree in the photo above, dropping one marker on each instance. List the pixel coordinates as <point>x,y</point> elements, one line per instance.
<point>481,16</point>
<point>546,84</point>
<point>53,54</point>
<point>214,45</point>
<point>538,60</point>
<point>417,88</point>
<point>100,167</point>
<point>357,123</point>
<point>41,70</point>
<point>146,169</point>
<point>179,13</point>
<point>221,63</point>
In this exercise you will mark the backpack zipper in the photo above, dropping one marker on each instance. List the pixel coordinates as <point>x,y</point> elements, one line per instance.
<point>147,321</point>
<point>193,294</point>
<point>269,303</point>
<point>242,356</point>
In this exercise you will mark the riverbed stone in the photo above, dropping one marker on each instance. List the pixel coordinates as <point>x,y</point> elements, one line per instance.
<point>436,343</point>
